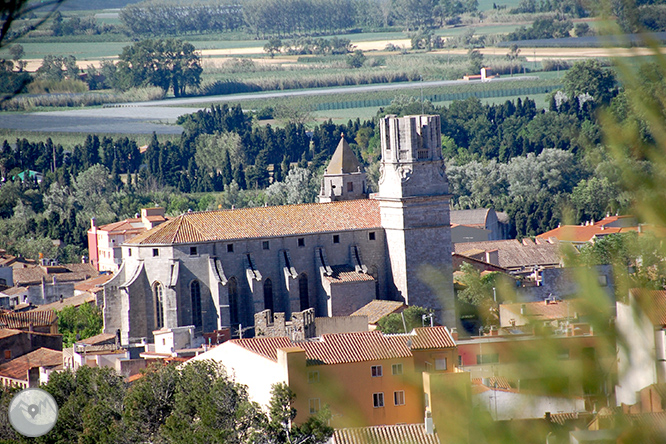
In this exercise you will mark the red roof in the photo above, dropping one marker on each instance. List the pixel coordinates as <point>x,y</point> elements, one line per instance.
<point>264,222</point>
<point>42,357</point>
<point>345,348</point>
<point>24,319</point>
<point>389,434</point>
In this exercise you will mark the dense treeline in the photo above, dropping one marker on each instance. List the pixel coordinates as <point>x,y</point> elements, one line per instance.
<point>197,402</point>
<point>281,18</point>
<point>543,167</point>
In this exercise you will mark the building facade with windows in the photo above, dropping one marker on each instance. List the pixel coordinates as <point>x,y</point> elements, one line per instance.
<point>217,269</point>
<point>365,378</point>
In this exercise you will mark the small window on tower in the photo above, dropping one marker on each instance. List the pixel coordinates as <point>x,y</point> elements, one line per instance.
<point>371,235</point>
<point>156,252</point>
<point>193,251</point>
<point>230,248</point>
<point>265,245</point>
<point>129,252</point>
<point>336,238</point>
<point>350,187</point>
<point>301,242</point>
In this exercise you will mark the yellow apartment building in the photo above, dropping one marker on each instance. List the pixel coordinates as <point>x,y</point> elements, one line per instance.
<point>365,378</point>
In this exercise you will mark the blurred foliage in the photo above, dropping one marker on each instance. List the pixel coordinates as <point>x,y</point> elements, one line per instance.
<point>405,321</point>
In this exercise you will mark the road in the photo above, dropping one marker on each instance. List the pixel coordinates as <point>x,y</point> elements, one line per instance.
<point>160,116</point>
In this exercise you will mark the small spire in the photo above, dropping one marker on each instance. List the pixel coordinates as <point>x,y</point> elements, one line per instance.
<point>342,135</point>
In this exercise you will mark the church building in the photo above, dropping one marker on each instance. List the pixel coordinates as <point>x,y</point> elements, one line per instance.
<point>216,269</point>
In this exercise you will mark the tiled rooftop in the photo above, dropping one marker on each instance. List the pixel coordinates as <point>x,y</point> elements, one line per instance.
<point>264,222</point>
<point>24,319</point>
<point>375,310</point>
<point>515,254</point>
<point>346,273</point>
<point>68,273</point>
<point>103,338</point>
<point>94,283</point>
<point>353,347</point>
<point>42,357</point>
<point>385,434</point>
<point>476,217</point>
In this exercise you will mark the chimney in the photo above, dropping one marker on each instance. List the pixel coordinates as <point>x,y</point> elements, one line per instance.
<point>429,425</point>
<point>93,222</point>
<point>454,333</point>
<point>522,309</point>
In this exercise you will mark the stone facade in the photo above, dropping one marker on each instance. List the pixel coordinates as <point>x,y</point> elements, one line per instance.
<point>217,269</point>
<point>414,202</point>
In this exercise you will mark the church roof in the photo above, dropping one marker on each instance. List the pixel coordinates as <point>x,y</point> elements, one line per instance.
<point>343,160</point>
<point>264,222</point>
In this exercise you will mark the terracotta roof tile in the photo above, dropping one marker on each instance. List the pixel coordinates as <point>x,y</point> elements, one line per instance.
<point>344,348</point>
<point>264,222</point>
<point>385,434</point>
<point>24,319</point>
<point>8,332</point>
<point>42,357</point>
<point>476,217</point>
<point>346,273</point>
<point>62,273</point>
<point>103,338</point>
<point>375,310</point>
<point>123,226</point>
<point>514,254</point>
<point>94,282</point>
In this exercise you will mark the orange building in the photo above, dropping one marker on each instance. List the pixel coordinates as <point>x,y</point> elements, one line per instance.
<point>365,378</point>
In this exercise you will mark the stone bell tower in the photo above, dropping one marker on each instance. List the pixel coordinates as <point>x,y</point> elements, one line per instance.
<point>414,204</point>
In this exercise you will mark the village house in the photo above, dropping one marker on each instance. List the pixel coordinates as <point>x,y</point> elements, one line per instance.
<point>104,242</point>
<point>366,378</point>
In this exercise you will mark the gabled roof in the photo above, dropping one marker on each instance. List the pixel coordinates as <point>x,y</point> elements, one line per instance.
<point>102,338</point>
<point>344,160</point>
<point>385,434</point>
<point>653,303</point>
<point>124,226</point>
<point>377,309</point>
<point>515,254</point>
<point>94,284</point>
<point>33,275</point>
<point>475,217</point>
<point>343,348</point>
<point>264,222</point>
<point>42,357</point>
<point>26,318</point>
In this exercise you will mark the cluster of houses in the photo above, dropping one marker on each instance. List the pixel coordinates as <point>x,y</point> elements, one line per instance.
<point>294,295</point>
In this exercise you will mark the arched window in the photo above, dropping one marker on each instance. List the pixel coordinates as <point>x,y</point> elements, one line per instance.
<point>195,294</point>
<point>303,291</point>
<point>268,295</point>
<point>233,301</point>
<point>158,295</point>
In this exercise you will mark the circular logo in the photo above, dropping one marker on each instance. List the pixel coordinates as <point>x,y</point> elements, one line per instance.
<point>33,412</point>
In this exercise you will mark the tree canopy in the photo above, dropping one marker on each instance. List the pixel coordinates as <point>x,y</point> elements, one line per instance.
<point>165,63</point>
